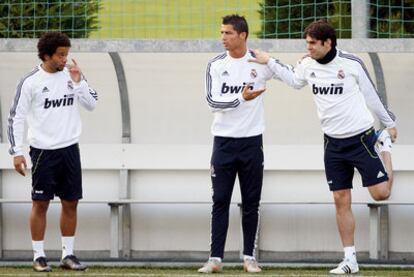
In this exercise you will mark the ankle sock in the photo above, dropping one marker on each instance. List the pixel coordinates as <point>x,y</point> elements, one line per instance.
<point>67,246</point>
<point>38,249</point>
<point>350,253</point>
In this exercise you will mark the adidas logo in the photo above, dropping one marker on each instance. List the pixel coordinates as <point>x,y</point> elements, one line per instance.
<point>45,89</point>
<point>225,73</point>
<point>346,269</point>
<point>313,75</point>
<point>380,174</point>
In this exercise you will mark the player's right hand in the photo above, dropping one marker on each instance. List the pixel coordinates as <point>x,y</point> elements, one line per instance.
<point>75,72</point>
<point>261,57</point>
<point>249,94</point>
<point>20,165</point>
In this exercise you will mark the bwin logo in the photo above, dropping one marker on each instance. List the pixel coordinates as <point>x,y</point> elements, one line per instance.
<point>233,89</point>
<point>67,100</point>
<point>333,89</point>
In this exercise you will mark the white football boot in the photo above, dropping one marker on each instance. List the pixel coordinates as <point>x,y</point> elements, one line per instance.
<point>345,267</point>
<point>211,266</point>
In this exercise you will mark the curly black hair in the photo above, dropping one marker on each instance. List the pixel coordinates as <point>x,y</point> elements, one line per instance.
<point>49,42</point>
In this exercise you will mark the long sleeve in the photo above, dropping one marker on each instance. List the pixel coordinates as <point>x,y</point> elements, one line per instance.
<point>372,97</point>
<point>216,101</point>
<point>20,108</point>
<point>286,73</point>
<point>86,95</point>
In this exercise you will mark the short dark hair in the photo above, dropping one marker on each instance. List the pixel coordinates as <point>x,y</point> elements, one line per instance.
<point>49,42</point>
<point>238,22</point>
<point>321,30</point>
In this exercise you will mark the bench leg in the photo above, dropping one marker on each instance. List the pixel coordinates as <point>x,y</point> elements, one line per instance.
<point>373,231</point>
<point>1,230</point>
<point>1,214</point>
<point>114,253</point>
<point>126,231</point>
<point>124,193</point>
<point>384,238</point>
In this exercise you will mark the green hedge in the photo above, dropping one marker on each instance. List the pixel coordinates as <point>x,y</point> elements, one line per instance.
<point>30,19</point>
<point>288,18</point>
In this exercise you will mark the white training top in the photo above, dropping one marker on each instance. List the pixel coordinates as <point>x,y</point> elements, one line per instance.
<point>226,78</point>
<point>50,103</point>
<point>342,90</point>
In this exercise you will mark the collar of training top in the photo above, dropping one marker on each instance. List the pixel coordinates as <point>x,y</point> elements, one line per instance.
<point>328,57</point>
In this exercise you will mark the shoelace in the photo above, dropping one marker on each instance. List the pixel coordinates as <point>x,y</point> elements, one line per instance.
<point>42,261</point>
<point>214,261</point>
<point>74,259</point>
<point>251,262</point>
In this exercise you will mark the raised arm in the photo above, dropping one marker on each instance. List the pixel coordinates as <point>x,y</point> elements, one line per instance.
<point>286,73</point>
<point>374,101</point>
<point>86,95</point>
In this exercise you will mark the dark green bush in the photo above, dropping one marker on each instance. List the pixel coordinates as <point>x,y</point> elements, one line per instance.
<point>29,19</point>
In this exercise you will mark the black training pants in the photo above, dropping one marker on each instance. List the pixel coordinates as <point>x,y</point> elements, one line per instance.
<point>231,156</point>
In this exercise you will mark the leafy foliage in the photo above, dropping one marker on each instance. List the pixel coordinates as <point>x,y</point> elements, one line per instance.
<point>289,18</point>
<point>29,19</point>
<point>392,18</point>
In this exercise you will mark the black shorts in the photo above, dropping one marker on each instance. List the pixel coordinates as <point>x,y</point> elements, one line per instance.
<point>343,155</point>
<point>56,172</point>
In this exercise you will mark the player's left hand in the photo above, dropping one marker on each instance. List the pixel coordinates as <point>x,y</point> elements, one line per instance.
<point>393,134</point>
<point>75,72</point>
<point>20,164</point>
<point>249,94</point>
<point>261,57</point>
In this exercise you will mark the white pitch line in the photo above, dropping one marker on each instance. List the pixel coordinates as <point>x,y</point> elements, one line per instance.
<point>115,274</point>
<point>84,274</point>
<point>145,274</point>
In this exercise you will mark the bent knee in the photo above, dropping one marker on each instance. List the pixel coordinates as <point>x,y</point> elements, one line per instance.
<point>381,191</point>
<point>381,195</point>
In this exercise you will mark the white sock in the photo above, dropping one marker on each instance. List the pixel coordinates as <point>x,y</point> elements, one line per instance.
<point>386,147</point>
<point>67,246</point>
<point>218,259</point>
<point>247,257</point>
<point>350,253</point>
<point>386,144</point>
<point>38,249</point>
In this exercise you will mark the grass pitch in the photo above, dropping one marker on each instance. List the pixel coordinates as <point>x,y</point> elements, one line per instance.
<point>172,19</point>
<point>230,271</point>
